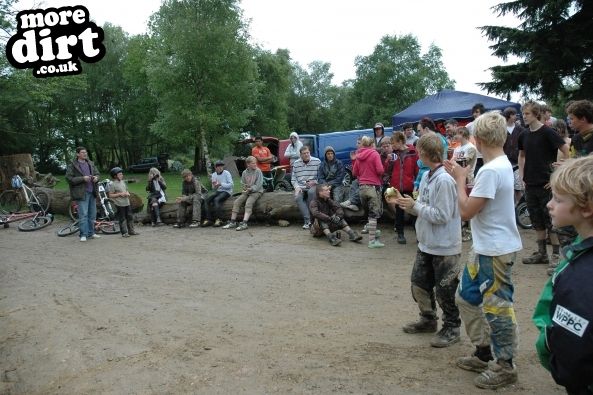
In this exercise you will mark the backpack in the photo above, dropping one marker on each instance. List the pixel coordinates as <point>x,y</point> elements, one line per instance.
<point>16,182</point>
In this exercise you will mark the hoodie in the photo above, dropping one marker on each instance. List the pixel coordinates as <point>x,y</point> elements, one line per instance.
<point>403,170</point>
<point>292,151</point>
<point>368,167</point>
<point>331,172</point>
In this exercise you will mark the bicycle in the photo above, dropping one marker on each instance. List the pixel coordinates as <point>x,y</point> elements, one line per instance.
<point>105,205</point>
<point>109,227</point>
<point>276,181</point>
<point>33,220</point>
<point>12,201</point>
<point>522,214</point>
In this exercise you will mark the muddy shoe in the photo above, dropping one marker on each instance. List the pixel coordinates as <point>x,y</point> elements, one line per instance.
<point>554,261</point>
<point>217,223</point>
<point>536,258</point>
<point>353,236</point>
<point>230,225</point>
<point>472,363</point>
<point>333,240</point>
<point>445,337</point>
<point>376,244</point>
<point>401,239</point>
<point>194,224</point>
<point>242,226</point>
<point>424,325</point>
<point>497,375</point>
<point>206,223</point>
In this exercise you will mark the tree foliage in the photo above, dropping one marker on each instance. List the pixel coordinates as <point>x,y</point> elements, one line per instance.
<point>394,76</point>
<point>203,72</point>
<point>554,44</point>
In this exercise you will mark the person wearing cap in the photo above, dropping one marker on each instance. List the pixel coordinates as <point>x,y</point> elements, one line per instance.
<point>222,185</point>
<point>379,132</point>
<point>118,192</point>
<point>191,197</point>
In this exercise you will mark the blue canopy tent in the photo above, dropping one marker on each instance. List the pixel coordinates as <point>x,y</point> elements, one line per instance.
<point>449,104</point>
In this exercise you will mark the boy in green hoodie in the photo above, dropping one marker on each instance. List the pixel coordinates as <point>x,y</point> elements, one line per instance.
<point>564,312</point>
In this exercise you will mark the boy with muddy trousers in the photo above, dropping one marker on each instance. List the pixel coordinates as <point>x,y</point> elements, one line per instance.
<point>328,217</point>
<point>485,293</point>
<point>436,268</point>
<point>564,312</point>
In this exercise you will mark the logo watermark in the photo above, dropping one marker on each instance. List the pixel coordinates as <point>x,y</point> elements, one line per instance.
<point>53,41</point>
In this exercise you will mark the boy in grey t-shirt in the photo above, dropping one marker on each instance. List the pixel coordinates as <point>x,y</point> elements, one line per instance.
<point>118,191</point>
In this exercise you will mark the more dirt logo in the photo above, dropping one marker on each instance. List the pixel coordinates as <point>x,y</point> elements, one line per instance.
<point>52,41</point>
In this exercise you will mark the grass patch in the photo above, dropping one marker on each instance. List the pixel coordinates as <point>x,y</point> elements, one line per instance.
<point>137,183</point>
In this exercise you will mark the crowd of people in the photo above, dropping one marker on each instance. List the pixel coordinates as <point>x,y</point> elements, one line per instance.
<point>460,185</point>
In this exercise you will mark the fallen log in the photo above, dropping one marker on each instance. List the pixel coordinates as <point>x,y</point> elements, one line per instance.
<point>269,208</point>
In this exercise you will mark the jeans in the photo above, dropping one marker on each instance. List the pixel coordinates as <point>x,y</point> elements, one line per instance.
<point>214,204</point>
<point>303,200</point>
<point>87,213</point>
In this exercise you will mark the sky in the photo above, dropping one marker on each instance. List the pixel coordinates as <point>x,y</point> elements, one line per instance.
<point>336,31</point>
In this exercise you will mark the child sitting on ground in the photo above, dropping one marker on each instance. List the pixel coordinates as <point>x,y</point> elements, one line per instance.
<point>328,217</point>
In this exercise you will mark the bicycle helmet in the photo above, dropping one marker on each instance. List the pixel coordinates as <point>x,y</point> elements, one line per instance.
<point>115,171</point>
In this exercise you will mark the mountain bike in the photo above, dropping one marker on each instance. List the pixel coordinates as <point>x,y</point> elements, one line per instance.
<point>30,221</point>
<point>105,206</point>
<point>107,226</point>
<point>12,201</point>
<point>276,181</point>
<point>522,214</point>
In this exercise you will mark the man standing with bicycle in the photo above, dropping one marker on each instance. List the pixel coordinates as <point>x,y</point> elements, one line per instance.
<point>82,177</point>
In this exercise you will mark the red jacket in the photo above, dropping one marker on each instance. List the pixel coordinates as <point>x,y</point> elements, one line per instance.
<point>368,167</point>
<point>404,169</point>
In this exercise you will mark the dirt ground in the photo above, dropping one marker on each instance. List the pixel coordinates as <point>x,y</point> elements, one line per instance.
<point>211,311</point>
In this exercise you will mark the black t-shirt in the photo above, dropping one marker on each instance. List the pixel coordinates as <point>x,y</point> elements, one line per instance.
<point>511,146</point>
<point>581,146</point>
<point>541,150</point>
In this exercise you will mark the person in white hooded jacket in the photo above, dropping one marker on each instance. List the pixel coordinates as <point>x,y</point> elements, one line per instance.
<point>292,151</point>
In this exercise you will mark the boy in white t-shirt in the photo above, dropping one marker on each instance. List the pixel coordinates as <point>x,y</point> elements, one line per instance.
<point>485,292</point>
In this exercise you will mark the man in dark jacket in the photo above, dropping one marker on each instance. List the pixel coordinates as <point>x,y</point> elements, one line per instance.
<point>328,217</point>
<point>82,177</point>
<point>332,172</point>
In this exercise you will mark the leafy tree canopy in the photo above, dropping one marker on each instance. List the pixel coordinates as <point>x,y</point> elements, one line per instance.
<point>554,43</point>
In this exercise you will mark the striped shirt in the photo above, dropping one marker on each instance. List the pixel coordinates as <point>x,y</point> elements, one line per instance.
<point>303,172</point>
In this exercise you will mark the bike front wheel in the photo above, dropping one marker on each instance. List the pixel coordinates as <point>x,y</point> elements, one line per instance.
<point>109,228</point>
<point>10,202</point>
<point>40,201</point>
<point>68,229</point>
<point>522,216</point>
<point>35,223</point>
<point>283,186</point>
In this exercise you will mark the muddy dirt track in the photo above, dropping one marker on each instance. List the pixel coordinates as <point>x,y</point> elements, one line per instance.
<point>211,311</point>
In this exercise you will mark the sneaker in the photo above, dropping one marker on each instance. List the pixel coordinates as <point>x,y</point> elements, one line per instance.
<point>217,223</point>
<point>365,229</point>
<point>335,241</point>
<point>230,225</point>
<point>194,224</point>
<point>445,337</point>
<point>346,203</point>
<point>83,238</point>
<point>178,226</point>
<point>423,325</point>
<point>153,224</point>
<point>94,236</point>
<point>242,226</point>
<point>125,235</point>
<point>134,233</point>
<point>376,244</point>
<point>160,223</point>
<point>536,258</point>
<point>307,225</point>
<point>354,236</point>
<point>401,239</point>
<point>206,223</point>
<point>472,363</point>
<point>497,375</point>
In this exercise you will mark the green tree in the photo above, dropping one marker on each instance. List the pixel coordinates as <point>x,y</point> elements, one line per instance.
<point>203,72</point>
<point>312,98</point>
<point>394,76</point>
<point>554,44</point>
<point>275,83</point>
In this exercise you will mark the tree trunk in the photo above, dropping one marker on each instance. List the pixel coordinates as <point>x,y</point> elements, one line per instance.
<point>10,165</point>
<point>270,207</point>
<point>205,151</point>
